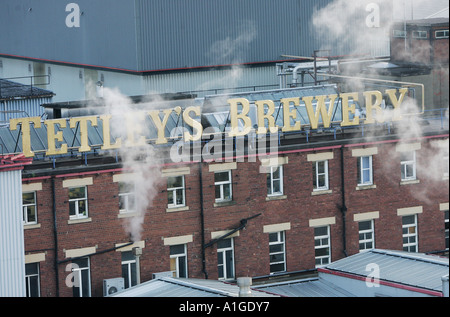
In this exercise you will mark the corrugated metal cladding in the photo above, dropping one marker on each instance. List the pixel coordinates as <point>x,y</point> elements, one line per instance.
<point>144,35</point>
<point>213,81</point>
<point>12,250</point>
<point>18,108</point>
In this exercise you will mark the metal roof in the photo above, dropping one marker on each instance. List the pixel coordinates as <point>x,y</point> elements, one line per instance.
<point>311,287</point>
<point>412,269</point>
<point>11,90</point>
<point>182,287</point>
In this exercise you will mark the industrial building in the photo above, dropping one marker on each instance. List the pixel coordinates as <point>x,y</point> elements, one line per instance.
<point>145,47</point>
<point>249,164</point>
<point>330,192</point>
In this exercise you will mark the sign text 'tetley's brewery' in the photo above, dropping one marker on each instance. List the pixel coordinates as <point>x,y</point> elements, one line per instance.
<point>239,110</point>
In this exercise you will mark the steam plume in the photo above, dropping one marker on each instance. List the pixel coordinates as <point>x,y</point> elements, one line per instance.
<point>140,161</point>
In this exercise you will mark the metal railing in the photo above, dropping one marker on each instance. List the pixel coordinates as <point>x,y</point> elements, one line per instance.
<point>11,82</point>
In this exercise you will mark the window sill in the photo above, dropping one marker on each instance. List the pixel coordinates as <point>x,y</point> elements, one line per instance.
<point>409,182</point>
<point>276,197</point>
<point>126,214</point>
<point>32,226</point>
<point>81,220</point>
<point>175,209</point>
<point>364,187</point>
<point>224,203</point>
<point>321,192</point>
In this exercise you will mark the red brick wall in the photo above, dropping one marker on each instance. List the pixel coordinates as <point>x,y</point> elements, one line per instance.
<point>249,194</point>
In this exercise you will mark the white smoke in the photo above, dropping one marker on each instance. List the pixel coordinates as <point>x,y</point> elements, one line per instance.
<point>341,22</point>
<point>232,50</point>
<point>141,161</point>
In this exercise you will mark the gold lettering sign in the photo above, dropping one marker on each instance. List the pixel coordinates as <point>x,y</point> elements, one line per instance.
<point>319,109</point>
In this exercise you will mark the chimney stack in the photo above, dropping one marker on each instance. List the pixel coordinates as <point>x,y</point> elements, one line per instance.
<point>244,284</point>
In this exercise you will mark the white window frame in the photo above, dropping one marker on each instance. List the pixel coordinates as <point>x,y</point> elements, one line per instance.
<point>174,193</point>
<point>176,258</point>
<point>128,197</point>
<point>25,209</point>
<point>419,34</point>
<point>324,242</point>
<point>129,264</point>
<point>77,270</point>
<point>222,253</point>
<point>271,180</point>
<point>445,34</point>
<point>399,33</point>
<point>361,180</point>
<point>317,175</point>
<point>446,229</point>
<point>280,240</point>
<point>408,235</point>
<point>404,167</point>
<point>77,204</point>
<point>28,279</point>
<point>366,236</point>
<point>446,166</point>
<point>221,186</point>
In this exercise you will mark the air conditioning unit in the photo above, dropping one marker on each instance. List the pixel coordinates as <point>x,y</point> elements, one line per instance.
<point>113,285</point>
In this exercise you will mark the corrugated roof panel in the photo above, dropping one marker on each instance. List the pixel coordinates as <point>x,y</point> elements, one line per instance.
<point>414,269</point>
<point>312,287</point>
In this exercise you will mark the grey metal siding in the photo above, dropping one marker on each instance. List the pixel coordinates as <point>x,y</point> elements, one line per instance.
<point>18,108</point>
<point>144,35</point>
<point>12,250</point>
<point>183,34</point>
<point>37,29</point>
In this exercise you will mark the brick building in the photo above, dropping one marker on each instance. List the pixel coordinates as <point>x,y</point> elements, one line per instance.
<point>421,41</point>
<point>327,194</point>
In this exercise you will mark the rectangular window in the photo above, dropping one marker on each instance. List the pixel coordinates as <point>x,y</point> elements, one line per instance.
<point>225,261</point>
<point>366,235</point>
<point>365,172</point>
<point>32,279</point>
<point>126,197</point>
<point>275,181</point>
<point>178,260</point>
<point>446,166</point>
<point>399,33</point>
<point>408,165</point>
<point>322,246</point>
<point>78,206</point>
<point>82,279</point>
<point>420,34</point>
<point>277,252</point>
<point>175,191</point>
<point>409,227</point>
<point>446,229</point>
<point>441,34</point>
<point>222,182</point>
<point>129,269</point>
<point>29,208</point>
<point>320,175</point>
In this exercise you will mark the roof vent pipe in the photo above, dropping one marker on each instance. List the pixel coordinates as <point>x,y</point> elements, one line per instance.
<point>295,75</point>
<point>445,285</point>
<point>244,284</point>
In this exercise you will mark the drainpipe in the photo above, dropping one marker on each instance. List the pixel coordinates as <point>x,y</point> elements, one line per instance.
<point>202,219</point>
<point>344,206</point>
<point>55,236</point>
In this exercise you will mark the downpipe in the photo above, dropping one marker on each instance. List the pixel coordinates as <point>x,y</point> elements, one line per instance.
<point>344,206</point>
